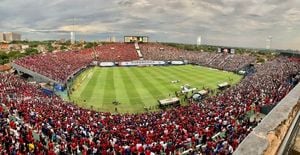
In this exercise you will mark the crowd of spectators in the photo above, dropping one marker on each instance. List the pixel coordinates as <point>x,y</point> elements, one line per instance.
<point>32,122</point>
<point>224,61</point>
<point>60,66</point>
<point>57,66</point>
<point>116,52</point>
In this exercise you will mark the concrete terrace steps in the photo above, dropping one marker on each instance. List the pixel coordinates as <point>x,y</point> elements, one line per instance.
<point>137,48</point>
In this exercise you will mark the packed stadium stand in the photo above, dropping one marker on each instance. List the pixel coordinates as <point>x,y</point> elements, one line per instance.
<point>33,122</point>
<point>57,66</point>
<point>224,61</point>
<point>117,52</point>
<point>60,66</point>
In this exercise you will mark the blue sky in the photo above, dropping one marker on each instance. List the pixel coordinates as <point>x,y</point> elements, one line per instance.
<point>245,23</point>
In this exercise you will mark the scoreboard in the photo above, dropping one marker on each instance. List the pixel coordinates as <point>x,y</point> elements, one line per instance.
<point>226,50</point>
<point>132,39</point>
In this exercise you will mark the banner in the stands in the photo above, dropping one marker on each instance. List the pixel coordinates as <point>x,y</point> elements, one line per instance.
<point>141,63</point>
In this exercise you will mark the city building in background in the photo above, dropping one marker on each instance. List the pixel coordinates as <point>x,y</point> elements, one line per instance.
<point>8,37</point>
<point>1,37</point>
<point>113,39</point>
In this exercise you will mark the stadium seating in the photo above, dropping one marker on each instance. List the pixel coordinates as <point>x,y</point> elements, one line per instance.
<point>57,66</point>
<point>224,61</point>
<point>32,122</point>
<point>61,65</point>
<point>116,52</point>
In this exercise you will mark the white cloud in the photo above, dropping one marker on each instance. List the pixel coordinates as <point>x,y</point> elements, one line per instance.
<point>86,29</point>
<point>292,15</point>
<point>260,9</point>
<point>231,22</point>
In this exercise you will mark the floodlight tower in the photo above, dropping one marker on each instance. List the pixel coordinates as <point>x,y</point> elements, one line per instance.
<point>268,42</point>
<point>270,39</point>
<point>199,41</point>
<point>72,37</point>
<point>73,33</point>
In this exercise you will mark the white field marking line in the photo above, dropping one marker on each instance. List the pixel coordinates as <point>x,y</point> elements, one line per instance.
<point>88,76</point>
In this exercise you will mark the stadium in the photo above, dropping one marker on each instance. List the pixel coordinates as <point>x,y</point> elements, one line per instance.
<point>139,97</point>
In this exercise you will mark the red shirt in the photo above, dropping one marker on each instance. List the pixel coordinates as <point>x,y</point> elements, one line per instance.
<point>51,152</point>
<point>148,152</point>
<point>133,149</point>
<point>73,146</point>
<point>140,149</point>
<point>50,145</point>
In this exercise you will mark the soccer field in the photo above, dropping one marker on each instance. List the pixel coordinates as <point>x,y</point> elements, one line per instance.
<point>139,87</point>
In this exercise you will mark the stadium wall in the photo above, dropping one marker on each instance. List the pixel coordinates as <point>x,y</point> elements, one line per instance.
<point>37,77</point>
<point>269,136</point>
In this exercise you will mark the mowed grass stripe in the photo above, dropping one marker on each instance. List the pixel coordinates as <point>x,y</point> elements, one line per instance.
<point>162,79</point>
<point>186,78</point>
<point>146,96</point>
<point>109,86</point>
<point>147,83</point>
<point>160,72</point>
<point>99,81</point>
<point>151,76</point>
<point>81,81</point>
<point>194,72</point>
<point>131,91</point>
<point>125,105</point>
<point>205,80</point>
<point>178,75</point>
<point>218,76</point>
<point>199,78</point>
<point>193,78</point>
<point>214,77</point>
<point>206,72</point>
<point>90,88</point>
<point>121,94</point>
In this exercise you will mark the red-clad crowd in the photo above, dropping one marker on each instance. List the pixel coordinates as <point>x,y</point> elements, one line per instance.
<point>31,122</point>
<point>116,52</point>
<point>224,61</point>
<point>57,66</point>
<point>61,65</point>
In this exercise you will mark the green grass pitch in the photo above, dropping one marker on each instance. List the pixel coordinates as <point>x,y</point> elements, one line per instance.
<point>139,87</point>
